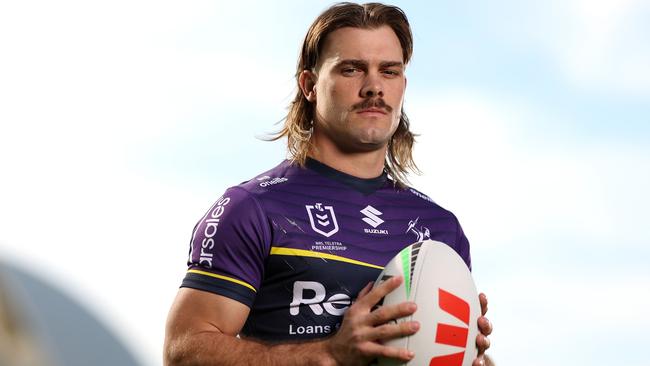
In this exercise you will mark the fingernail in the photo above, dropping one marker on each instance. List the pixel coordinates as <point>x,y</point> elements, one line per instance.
<point>415,326</point>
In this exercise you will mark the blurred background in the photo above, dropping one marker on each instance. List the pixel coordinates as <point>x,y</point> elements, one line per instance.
<point>121,122</point>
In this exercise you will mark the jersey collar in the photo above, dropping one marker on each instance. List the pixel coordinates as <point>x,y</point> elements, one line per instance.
<point>365,186</point>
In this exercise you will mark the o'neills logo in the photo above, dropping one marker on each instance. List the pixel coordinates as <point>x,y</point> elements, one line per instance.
<point>211,226</point>
<point>273,181</point>
<point>423,196</point>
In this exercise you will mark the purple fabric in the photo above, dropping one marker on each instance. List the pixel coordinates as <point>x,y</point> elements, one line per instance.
<point>244,234</point>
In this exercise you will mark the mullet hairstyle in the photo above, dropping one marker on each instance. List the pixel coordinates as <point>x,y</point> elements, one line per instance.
<point>298,123</point>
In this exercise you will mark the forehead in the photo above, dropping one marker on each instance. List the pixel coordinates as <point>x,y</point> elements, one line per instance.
<point>377,44</point>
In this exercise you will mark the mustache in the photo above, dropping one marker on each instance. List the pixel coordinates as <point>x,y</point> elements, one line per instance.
<point>372,103</point>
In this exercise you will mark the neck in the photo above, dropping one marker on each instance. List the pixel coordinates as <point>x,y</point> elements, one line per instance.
<point>364,165</point>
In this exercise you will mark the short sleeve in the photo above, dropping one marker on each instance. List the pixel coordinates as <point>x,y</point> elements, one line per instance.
<point>462,246</point>
<point>229,247</point>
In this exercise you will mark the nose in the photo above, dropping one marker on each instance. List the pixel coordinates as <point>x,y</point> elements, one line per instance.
<point>372,87</point>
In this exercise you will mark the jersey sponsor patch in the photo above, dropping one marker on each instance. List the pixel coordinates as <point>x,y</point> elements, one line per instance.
<point>208,228</point>
<point>371,216</point>
<point>322,219</point>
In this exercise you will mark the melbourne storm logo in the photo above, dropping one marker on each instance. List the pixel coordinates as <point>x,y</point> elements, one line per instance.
<point>422,233</point>
<point>322,219</point>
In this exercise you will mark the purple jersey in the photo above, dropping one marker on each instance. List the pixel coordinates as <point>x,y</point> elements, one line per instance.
<point>296,244</point>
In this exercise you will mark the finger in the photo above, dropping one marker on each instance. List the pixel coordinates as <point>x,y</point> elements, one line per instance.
<point>392,330</point>
<point>377,293</point>
<point>373,349</point>
<point>483,343</point>
<point>484,303</point>
<point>485,326</point>
<point>364,291</point>
<point>478,361</point>
<point>387,313</point>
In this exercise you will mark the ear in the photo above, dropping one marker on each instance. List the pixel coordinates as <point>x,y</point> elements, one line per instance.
<point>307,83</point>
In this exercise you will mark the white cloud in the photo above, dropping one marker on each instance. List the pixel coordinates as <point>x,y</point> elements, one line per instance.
<point>96,70</point>
<point>601,45</point>
<point>570,314</point>
<point>502,185</point>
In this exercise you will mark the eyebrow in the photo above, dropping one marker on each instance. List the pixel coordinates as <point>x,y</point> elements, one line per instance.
<point>362,63</point>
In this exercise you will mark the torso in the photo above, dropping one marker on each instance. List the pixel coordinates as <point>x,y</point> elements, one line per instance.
<point>326,236</point>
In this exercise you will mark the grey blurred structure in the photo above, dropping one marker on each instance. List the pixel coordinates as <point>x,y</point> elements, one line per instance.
<point>42,326</point>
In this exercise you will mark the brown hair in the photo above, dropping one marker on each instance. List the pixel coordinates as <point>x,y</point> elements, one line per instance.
<point>298,123</point>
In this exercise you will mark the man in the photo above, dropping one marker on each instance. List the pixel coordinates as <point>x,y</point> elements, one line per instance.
<point>279,267</point>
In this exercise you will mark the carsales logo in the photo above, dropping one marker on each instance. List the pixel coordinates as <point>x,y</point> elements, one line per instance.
<point>211,227</point>
<point>450,334</point>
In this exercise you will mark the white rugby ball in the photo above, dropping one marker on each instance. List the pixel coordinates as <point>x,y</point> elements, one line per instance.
<point>437,279</point>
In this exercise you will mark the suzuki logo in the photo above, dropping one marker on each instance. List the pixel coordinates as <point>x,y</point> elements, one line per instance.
<point>451,334</point>
<point>325,222</point>
<point>372,216</point>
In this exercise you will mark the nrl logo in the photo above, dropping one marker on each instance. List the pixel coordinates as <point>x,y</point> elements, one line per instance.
<point>322,219</point>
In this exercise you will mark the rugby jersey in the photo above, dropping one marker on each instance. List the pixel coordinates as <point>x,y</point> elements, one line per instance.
<point>296,244</point>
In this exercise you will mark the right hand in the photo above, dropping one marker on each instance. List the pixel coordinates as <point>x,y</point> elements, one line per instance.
<point>360,338</point>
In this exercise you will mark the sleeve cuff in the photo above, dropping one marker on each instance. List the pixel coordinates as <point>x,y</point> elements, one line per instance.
<point>220,285</point>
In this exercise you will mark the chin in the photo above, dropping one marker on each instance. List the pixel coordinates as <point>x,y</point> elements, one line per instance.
<point>372,144</point>
<point>375,137</point>
<point>360,145</point>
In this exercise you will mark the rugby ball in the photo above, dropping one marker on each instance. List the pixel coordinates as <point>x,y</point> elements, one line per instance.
<point>437,279</point>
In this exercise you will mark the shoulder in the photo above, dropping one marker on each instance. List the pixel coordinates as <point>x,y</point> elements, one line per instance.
<point>419,199</point>
<point>447,226</point>
<point>281,175</point>
<point>419,195</point>
<point>242,205</point>
<point>262,192</point>
<point>282,184</point>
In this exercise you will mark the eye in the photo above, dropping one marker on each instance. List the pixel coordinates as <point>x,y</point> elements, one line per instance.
<point>350,71</point>
<point>392,73</point>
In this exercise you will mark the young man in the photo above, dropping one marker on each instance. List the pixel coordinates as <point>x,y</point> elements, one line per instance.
<point>285,259</point>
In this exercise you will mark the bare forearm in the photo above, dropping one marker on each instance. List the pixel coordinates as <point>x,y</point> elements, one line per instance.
<point>214,348</point>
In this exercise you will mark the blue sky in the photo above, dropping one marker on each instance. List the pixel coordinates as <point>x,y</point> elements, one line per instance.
<point>122,122</point>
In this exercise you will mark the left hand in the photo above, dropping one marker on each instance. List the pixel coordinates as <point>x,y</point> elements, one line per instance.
<point>485,327</point>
